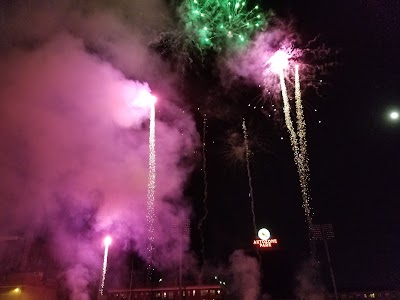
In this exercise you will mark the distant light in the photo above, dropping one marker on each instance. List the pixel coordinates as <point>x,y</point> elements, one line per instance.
<point>107,240</point>
<point>264,234</point>
<point>394,115</point>
<point>17,290</point>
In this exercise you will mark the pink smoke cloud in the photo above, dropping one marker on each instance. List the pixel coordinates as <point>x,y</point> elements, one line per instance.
<point>246,275</point>
<point>75,156</point>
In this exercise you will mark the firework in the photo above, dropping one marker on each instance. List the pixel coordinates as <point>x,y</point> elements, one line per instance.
<point>251,194</point>
<point>278,63</point>
<point>145,100</point>
<point>301,130</point>
<point>217,23</point>
<point>200,226</point>
<point>151,183</point>
<point>107,242</point>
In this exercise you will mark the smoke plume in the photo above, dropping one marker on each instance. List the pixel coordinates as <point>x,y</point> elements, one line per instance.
<point>74,151</point>
<point>246,275</point>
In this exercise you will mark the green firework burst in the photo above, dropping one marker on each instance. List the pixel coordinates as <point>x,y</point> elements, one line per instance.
<point>219,23</point>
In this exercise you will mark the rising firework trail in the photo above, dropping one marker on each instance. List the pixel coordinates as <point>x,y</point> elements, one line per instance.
<point>251,193</point>
<point>107,241</point>
<point>202,220</point>
<point>151,184</point>
<point>145,100</point>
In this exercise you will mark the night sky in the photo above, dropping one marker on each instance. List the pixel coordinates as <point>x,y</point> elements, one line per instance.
<point>353,153</point>
<point>352,144</point>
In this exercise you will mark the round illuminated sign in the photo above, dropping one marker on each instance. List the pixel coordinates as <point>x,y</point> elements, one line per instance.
<point>264,234</point>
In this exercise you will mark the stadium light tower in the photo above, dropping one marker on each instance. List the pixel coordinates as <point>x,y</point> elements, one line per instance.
<point>324,232</point>
<point>182,229</point>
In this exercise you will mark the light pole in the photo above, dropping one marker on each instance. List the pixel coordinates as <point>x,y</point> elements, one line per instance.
<point>130,281</point>
<point>325,232</point>
<point>181,228</point>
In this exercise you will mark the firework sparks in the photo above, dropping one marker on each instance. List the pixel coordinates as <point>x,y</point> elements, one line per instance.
<point>201,222</point>
<point>303,158</point>
<point>152,179</point>
<point>278,63</point>
<point>251,194</point>
<point>213,24</point>
<point>107,242</point>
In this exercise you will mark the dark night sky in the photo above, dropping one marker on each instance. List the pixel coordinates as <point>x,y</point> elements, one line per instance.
<point>354,154</point>
<point>353,157</point>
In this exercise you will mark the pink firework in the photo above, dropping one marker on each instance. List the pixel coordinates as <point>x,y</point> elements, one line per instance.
<point>279,61</point>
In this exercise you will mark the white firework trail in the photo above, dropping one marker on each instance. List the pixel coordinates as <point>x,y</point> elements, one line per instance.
<point>251,192</point>
<point>107,242</point>
<point>300,161</point>
<point>303,158</point>
<point>288,118</point>
<point>151,186</point>
<point>202,220</point>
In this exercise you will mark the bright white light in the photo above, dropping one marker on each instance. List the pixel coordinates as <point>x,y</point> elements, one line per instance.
<point>394,115</point>
<point>264,234</point>
<point>144,99</point>
<point>279,61</point>
<point>107,240</point>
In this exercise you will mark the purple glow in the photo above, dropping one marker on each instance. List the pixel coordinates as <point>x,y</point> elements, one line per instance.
<point>69,117</point>
<point>267,55</point>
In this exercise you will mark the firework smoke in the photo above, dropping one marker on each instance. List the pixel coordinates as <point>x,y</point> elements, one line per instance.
<point>246,275</point>
<point>309,284</point>
<point>75,148</point>
<point>314,58</point>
